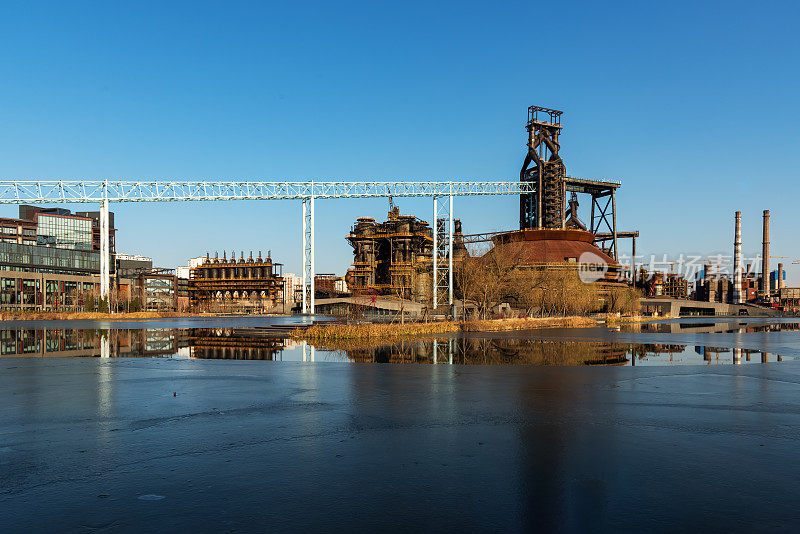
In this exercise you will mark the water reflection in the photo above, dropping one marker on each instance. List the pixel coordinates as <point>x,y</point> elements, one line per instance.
<point>255,344</point>
<point>698,327</point>
<point>477,351</point>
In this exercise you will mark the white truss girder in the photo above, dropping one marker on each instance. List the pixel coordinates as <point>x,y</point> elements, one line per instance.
<point>104,192</point>
<point>84,191</point>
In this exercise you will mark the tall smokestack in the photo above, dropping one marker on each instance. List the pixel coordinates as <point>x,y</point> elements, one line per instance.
<point>765,257</point>
<point>737,260</point>
<point>779,281</point>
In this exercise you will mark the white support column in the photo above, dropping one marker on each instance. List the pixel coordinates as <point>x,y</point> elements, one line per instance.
<point>105,259</point>
<point>304,262</point>
<point>311,263</point>
<point>435,258</point>
<point>105,345</point>
<point>308,255</point>
<point>450,343</point>
<point>450,253</point>
<point>442,250</point>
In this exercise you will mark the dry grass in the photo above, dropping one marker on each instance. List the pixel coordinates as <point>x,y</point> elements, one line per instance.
<point>368,331</point>
<point>59,316</point>
<point>374,330</point>
<point>528,323</point>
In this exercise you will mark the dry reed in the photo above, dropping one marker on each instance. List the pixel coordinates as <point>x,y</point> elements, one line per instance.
<point>394,330</point>
<point>59,316</point>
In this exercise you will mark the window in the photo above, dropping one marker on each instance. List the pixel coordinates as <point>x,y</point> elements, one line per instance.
<point>48,259</point>
<point>64,232</point>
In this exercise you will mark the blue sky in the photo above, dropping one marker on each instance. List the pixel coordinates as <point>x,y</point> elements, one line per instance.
<point>693,105</point>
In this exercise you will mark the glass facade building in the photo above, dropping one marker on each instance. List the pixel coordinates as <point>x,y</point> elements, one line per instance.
<point>15,257</point>
<point>64,232</point>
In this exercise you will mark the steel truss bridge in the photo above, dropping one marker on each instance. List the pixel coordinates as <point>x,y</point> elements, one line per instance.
<point>104,192</point>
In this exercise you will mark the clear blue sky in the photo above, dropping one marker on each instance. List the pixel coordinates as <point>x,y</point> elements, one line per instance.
<point>693,105</point>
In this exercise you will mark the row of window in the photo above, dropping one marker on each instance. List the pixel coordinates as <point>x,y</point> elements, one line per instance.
<point>30,341</point>
<point>64,232</point>
<point>13,291</point>
<point>30,232</point>
<point>47,259</point>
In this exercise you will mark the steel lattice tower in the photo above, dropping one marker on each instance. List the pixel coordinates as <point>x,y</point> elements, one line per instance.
<point>543,166</point>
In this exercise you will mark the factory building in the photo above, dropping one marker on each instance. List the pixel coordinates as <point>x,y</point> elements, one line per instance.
<point>713,287</point>
<point>128,265</point>
<point>395,257</point>
<point>156,289</point>
<point>243,285</point>
<point>661,284</point>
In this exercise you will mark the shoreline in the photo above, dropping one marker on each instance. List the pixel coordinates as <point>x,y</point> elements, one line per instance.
<point>129,316</point>
<point>367,331</point>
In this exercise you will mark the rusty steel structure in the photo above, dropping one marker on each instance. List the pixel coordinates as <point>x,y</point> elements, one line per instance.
<point>545,206</point>
<point>543,166</point>
<point>231,284</point>
<point>395,257</point>
<point>233,344</point>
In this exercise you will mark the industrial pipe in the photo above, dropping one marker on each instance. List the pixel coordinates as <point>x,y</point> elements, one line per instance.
<point>737,260</point>
<point>765,285</point>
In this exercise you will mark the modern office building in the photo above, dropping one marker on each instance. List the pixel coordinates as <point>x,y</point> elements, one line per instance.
<point>58,227</point>
<point>49,259</point>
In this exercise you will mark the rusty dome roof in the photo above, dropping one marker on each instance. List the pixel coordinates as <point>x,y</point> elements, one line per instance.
<point>543,245</point>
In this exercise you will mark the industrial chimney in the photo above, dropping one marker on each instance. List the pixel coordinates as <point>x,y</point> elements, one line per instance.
<point>765,257</point>
<point>737,260</point>
<point>779,281</point>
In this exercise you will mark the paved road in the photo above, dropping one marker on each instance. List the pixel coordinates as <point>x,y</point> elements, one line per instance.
<point>90,445</point>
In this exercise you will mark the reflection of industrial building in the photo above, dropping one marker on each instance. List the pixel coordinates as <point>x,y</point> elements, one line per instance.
<point>232,344</point>
<point>484,351</point>
<point>394,257</point>
<point>150,342</point>
<point>235,285</point>
<point>69,342</point>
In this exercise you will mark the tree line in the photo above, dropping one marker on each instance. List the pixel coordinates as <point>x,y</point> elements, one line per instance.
<point>502,276</point>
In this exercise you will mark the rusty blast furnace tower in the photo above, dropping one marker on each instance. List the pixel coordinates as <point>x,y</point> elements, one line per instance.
<point>543,166</point>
